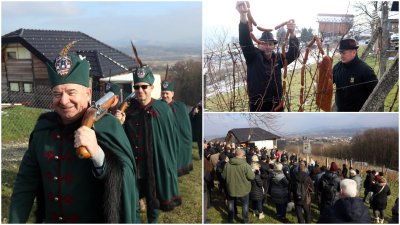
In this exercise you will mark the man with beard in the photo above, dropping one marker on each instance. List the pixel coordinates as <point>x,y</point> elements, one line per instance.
<point>264,77</point>
<point>150,125</point>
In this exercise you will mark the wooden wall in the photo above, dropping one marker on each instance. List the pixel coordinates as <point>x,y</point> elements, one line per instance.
<point>25,70</point>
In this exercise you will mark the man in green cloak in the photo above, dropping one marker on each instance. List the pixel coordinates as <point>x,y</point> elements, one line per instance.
<point>150,125</point>
<point>68,189</point>
<point>184,128</point>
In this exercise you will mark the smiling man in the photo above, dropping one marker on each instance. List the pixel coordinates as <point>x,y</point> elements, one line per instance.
<point>101,189</point>
<point>354,79</point>
<point>184,128</point>
<point>264,76</point>
<point>150,125</point>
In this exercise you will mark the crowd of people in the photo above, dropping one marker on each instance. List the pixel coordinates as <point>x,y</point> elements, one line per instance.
<point>286,181</point>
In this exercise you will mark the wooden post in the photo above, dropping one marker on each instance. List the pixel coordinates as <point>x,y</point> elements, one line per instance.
<point>326,162</point>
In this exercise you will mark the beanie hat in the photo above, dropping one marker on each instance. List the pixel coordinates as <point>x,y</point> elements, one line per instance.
<point>333,167</point>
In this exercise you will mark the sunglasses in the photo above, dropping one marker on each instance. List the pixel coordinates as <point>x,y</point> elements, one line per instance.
<point>144,87</point>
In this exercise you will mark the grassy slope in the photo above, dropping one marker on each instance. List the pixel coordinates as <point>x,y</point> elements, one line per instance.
<point>190,188</point>
<point>17,123</point>
<point>218,213</point>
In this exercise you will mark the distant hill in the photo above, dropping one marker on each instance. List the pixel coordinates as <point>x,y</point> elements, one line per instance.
<point>161,53</point>
<point>323,132</point>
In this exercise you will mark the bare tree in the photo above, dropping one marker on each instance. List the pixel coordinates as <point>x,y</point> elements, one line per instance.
<point>384,38</point>
<point>382,89</point>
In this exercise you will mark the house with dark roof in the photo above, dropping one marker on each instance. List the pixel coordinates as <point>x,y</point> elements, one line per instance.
<point>253,136</point>
<point>26,52</point>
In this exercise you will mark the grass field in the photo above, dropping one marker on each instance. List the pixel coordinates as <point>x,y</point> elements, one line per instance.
<point>218,212</point>
<point>189,185</point>
<point>17,123</point>
<point>214,104</point>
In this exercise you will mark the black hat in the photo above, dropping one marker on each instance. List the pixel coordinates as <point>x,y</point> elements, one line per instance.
<point>267,36</point>
<point>349,43</point>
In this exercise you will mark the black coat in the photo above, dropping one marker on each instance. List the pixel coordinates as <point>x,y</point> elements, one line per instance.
<point>264,174</point>
<point>368,181</point>
<point>346,210</point>
<point>256,192</point>
<point>299,179</point>
<point>354,83</point>
<point>328,175</point>
<point>264,76</point>
<point>379,201</point>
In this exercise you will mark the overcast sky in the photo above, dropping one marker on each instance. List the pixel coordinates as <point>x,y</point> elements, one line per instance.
<point>115,23</point>
<point>218,124</point>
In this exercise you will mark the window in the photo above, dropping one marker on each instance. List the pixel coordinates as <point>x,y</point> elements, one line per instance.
<point>12,55</point>
<point>28,87</point>
<point>14,86</point>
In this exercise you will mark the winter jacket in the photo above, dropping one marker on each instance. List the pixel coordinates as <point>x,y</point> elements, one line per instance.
<point>368,181</point>
<point>279,187</point>
<point>336,180</point>
<point>238,176</point>
<point>264,169</point>
<point>256,192</point>
<point>301,178</point>
<point>264,77</point>
<point>346,210</point>
<point>379,201</point>
<point>354,81</point>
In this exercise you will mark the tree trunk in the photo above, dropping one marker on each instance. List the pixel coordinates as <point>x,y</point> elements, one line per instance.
<point>371,43</point>
<point>382,89</point>
<point>385,39</point>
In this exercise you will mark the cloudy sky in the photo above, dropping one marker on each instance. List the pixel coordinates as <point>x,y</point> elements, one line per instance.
<point>218,124</point>
<point>115,23</point>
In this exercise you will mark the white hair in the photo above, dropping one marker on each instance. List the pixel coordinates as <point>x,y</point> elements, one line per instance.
<point>348,188</point>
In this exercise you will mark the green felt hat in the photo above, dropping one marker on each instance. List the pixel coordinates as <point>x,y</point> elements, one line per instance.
<point>68,68</point>
<point>143,74</point>
<point>113,88</point>
<point>167,86</point>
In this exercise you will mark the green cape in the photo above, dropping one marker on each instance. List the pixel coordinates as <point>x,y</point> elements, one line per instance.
<point>82,195</point>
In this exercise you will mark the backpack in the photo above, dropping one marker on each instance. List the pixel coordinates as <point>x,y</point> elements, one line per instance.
<point>328,188</point>
<point>300,189</point>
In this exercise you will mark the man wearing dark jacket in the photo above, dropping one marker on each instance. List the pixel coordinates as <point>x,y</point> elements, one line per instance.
<point>348,209</point>
<point>264,78</point>
<point>302,188</point>
<point>368,184</point>
<point>354,79</point>
<point>329,187</point>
